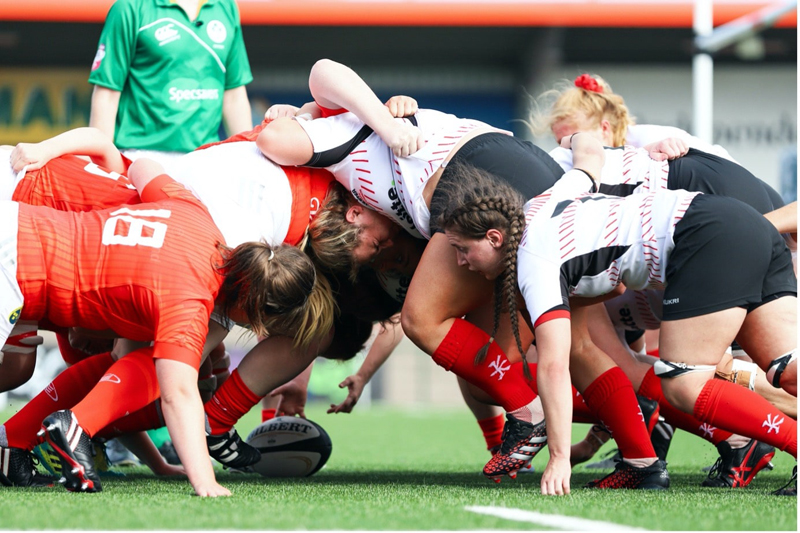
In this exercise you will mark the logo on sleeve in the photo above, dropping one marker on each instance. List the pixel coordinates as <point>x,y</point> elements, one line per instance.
<point>216,31</point>
<point>98,57</point>
<point>14,316</point>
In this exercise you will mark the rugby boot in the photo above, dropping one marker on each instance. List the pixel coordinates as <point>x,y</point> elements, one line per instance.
<point>230,450</point>
<point>18,469</point>
<point>521,442</point>
<point>74,448</point>
<point>737,468</point>
<point>625,476</point>
<point>790,489</point>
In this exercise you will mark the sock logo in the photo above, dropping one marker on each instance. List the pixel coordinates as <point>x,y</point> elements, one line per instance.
<point>51,391</point>
<point>708,430</point>
<point>111,378</point>
<point>773,423</point>
<point>500,367</point>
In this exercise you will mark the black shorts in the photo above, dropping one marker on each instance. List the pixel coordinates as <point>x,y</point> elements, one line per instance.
<point>707,173</point>
<point>726,255</point>
<point>523,165</point>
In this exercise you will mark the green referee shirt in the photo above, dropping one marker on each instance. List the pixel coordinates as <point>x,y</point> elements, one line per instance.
<point>171,71</point>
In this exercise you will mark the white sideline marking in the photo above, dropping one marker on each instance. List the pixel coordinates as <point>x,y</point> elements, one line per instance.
<point>550,520</point>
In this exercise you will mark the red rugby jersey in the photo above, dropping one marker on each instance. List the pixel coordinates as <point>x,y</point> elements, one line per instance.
<point>145,271</point>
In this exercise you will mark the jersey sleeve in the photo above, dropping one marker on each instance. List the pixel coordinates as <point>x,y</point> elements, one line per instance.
<point>116,47</point>
<point>333,137</point>
<point>542,287</point>
<point>163,187</point>
<point>237,64</point>
<point>182,333</point>
<point>571,185</point>
<point>563,157</point>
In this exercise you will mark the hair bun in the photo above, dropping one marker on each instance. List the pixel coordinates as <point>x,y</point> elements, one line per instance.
<point>588,83</point>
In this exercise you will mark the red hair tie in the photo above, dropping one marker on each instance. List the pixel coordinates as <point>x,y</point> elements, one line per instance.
<point>585,81</point>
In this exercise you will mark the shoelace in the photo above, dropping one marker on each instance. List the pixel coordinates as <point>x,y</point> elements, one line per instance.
<point>791,481</point>
<point>512,433</point>
<point>716,469</point>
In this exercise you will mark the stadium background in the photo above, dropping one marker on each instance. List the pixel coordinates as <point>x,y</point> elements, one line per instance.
<point>479,59</point>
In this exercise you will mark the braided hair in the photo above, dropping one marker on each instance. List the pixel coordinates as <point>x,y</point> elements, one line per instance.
<point>474,202</point>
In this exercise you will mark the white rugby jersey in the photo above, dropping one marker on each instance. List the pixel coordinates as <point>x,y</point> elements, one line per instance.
<point>248,195</point>
<point>588,246</point>
<point>640,135</point>
<point>636,310</point>
<point>361,161</point>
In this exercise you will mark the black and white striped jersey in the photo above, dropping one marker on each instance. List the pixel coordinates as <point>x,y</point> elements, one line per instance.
<point>587,246</point>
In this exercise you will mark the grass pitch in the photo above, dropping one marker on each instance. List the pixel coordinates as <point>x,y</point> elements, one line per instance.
<point>401,470</point>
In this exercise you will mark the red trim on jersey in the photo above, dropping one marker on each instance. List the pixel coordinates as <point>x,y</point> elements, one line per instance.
<point>328,112</point>
<point>152,191</point>
<point>552,315</point>
<point>309,187</point>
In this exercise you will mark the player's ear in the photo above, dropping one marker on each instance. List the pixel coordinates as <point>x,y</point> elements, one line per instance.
<point>495,238</point>
<point>353,213</point>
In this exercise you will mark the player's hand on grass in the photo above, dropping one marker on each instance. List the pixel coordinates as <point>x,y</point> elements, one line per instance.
<point>293,400</point>
<point>212,490</point>
<point>280,111</point>
<point>671,148</point>
<point>402,106</point>
<point>555,480</point>
<point>355,385</point>
<point>29,156</point>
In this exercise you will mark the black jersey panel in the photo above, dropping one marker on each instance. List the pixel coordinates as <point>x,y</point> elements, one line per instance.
<point>590,264</point>
<point>334,155</point>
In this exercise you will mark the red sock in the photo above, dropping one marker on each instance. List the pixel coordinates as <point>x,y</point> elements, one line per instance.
<point>746,413</point>
<point>231,401</point>
<point>129,385</point>
<point>146,418</point>
<point>651,388</point>
<point>611,398</point>
<point>457,352</point>
<point>492,430</point>
<point>66,390</point>
<point>268,414</point>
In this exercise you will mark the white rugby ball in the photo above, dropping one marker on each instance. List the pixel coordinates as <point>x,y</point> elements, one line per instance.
<point>290,447</point>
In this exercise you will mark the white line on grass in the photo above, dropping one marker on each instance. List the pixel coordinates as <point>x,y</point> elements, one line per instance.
<point>550,520</point>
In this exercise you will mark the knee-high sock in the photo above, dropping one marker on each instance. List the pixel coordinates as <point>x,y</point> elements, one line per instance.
<point>146,418</point>
<point>611,398</point>
<point>580,411</point>
<point>744,412</point>
<point>129,385</point>
<point>651,388</point>
<point>65,391</point>
<point>494,375</point>
<point>231,401</point>
<point>492,429</point>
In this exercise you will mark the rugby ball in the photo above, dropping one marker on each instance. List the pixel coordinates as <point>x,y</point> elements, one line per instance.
<point>290,447</point>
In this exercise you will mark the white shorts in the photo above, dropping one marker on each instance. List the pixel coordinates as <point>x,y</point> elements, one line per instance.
<point>165,158</point>
<point>11,299</point>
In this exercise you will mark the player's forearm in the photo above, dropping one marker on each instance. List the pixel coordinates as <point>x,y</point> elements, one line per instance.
<point>236,111</point>
<point>784,218</point>
<point>86,141</point>
<point>103,115</point>
<point>335,86</point>
<point>382,347</point>
<point>183,413</point>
